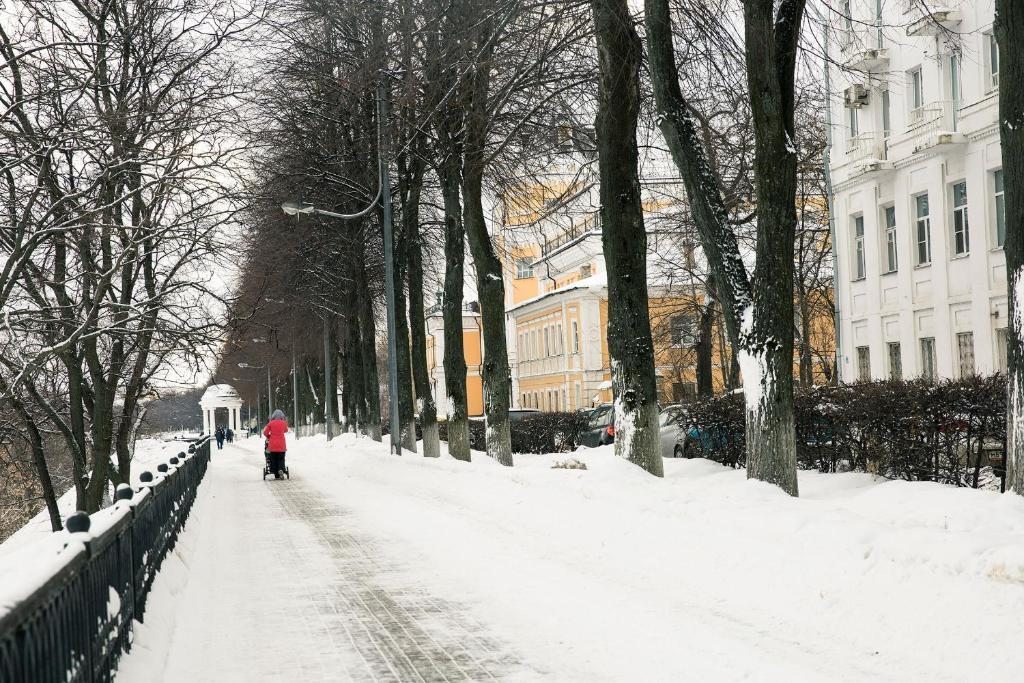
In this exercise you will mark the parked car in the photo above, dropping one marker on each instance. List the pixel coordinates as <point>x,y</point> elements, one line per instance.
<point>514,414</point>
<point>517,414</point>
<point>673,432</point>
<point>600,429</point>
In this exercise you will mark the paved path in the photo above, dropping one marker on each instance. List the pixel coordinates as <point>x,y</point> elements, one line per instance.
<point>283,585</point>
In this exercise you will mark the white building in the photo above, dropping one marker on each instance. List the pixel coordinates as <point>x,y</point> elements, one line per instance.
<point>917,190</point>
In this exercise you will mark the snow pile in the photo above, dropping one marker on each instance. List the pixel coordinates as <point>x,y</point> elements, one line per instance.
<point>609,573</point>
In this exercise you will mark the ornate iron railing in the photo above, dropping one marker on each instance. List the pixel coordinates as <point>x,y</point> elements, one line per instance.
<point>76,623</point>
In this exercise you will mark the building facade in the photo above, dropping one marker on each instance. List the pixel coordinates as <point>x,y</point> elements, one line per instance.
<point>472,342</point>
<point>917,191</point>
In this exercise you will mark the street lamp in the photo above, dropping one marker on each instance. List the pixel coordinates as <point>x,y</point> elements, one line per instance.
<point>256,384</point>
<point>293,208</point>
<point>270,388</point>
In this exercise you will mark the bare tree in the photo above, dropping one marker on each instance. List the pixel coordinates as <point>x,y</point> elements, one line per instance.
<point>1009,31</point>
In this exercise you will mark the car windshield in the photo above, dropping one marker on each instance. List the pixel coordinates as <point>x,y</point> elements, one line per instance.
<point>601,417</point>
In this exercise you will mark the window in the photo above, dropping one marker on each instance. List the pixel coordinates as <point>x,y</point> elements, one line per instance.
<point>1001,342</point>
<point>863,364</point>
<point>924,230</point>
<point>965,352</point>
<point>561,340</point>
<point>892,261</point>
<point>585,270</point>
<point>859,268</point>
<point>853,129</point>
<point>895,361</point>
<point>997,180</point>
<point>579,395</point>
<point>928,358</point>
<point>993,61</point>
<point>681,330</point>
<point>916,95</point>
<point>961,233</point>
<point>575,337</point>
<point>886,115</point>
<point>547,343</point>
<point>524,268</point>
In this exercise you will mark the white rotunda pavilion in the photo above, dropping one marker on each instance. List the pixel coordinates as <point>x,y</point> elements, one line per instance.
<point>221,396</point>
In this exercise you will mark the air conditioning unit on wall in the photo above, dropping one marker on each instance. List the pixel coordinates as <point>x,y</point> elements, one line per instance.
<point>856,96</point>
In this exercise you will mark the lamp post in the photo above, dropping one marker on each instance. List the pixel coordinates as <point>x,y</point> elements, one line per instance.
<point>293,208</point>
<point>270,388</point>
<point>295,395</point>
<point>248,405</point>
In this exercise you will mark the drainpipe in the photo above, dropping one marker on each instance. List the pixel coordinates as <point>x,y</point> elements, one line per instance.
<point>826,160</point>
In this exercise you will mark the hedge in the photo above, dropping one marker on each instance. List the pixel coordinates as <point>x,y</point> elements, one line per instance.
<point>951,432</point>
<point>533,433</point>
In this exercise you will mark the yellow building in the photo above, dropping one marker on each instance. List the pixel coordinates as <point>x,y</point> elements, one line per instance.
<point>473,348</point>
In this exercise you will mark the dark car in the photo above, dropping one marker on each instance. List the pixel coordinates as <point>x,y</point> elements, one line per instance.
<point>600,430</point>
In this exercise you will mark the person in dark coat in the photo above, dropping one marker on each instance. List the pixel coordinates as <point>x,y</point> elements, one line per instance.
<point>276,444</point>
<point>219,434</point>
<point>229,435</point>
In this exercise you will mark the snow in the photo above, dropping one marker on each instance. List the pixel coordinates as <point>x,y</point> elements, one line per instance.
<point>752,364</point>
<point>596,283</point>
<point>597,574</point>
<point>148,453</point>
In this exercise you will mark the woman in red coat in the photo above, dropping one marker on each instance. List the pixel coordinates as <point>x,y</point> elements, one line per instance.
<point>276,445</point>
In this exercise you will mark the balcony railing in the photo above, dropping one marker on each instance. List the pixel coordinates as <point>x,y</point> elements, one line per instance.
<point>865,147</point>
<point>931,123</point>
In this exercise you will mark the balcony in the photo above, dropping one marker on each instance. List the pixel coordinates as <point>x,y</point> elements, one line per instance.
<point>867,153</point>
<point>934,23</point>
<point>865,147</point>
<point>934,124</point>
<point>873,59</point>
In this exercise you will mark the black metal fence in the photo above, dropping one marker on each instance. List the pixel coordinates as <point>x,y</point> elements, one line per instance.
<point>77,623</point>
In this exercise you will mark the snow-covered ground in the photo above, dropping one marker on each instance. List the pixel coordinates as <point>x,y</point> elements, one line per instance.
<point>582,575</point>
<point>149,452</point>
<point>34,553</point>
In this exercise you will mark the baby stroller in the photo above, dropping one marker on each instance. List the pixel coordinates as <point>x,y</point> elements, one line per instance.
<point>267,467</point>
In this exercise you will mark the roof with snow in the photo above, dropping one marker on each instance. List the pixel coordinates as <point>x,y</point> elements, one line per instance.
<point>220,395</point>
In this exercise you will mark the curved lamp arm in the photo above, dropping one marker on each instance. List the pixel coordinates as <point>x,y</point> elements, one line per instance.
<point>298,208</point>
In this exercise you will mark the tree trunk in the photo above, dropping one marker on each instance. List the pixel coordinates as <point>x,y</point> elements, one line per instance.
<point>704,348</point>
<point>357,416</point>
<point>759,319</point>
<point>490,285</point>
<point>806,358</point>
<point>35,439</point>
<point>368,355</point>
<point>1009,29</point>
<point>454,348</point>
<point>410,183</point>
<point>767,354</point>
<point>624,238</point>
<point>418,333</point>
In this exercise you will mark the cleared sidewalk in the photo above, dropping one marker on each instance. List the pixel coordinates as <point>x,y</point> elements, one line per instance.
<point>272,582</point>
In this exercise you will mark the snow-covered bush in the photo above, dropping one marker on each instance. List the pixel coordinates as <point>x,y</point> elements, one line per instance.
<point>950,432</point>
